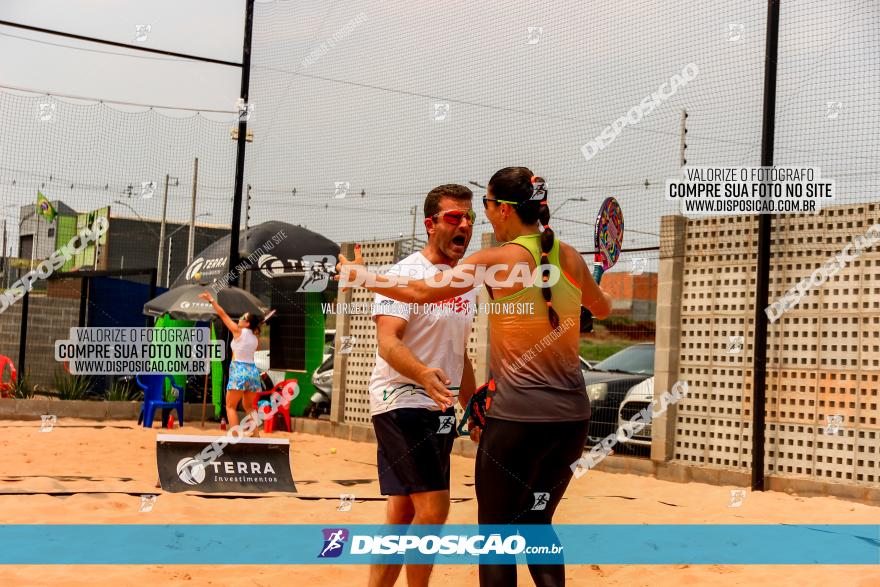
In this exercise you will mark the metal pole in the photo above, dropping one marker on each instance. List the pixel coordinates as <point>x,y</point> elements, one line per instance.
<point>247,218</point>
<point>191,245</point>
<point>35,241</point>
<point>84,284</point>
<point>150,320</point>
<point>168,264</point>
<point>3,258</point>
<point>22,336</point>
<point>759,393</point>
<point>242,140</point>
<point>96,245</point>
<point>412,242</point>
<point>162,231</point>
<point>247,222</point>
<point>682,145</point>
<point>682,138</point>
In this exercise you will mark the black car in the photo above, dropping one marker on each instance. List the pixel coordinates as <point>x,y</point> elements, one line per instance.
<point>608,383</point>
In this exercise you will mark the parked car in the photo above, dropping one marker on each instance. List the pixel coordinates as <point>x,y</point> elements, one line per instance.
<point>322,379</point>
<point>637,398</point>
<point>609,382</point>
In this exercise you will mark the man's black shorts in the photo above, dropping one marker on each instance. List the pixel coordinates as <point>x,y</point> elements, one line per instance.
<point>414,447</point>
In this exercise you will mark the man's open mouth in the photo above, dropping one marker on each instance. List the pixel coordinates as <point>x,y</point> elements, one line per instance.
<point>459,240</point>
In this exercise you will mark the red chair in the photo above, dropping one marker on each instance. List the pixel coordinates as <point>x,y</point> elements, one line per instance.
<point>7,389</point>
<point>283,409</point>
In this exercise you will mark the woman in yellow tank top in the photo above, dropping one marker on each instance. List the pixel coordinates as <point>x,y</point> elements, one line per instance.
<point>539,413</point>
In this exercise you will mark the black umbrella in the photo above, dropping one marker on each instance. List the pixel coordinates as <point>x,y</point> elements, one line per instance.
<point>183,303</point>
<point>275,249</point>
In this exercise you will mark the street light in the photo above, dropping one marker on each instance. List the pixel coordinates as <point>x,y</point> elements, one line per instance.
<point>171,243</point>
<point>182,226</point>
<point>173,182</point>
<point>141,218</point>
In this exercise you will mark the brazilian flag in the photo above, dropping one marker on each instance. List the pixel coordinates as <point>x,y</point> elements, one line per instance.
<point>45,208</point>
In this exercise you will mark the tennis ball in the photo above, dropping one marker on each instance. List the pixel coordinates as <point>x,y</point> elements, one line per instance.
<point>197,276</point>
<point>332,451</point>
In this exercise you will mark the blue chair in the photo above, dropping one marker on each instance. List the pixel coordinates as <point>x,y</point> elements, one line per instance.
<point>154,397</point>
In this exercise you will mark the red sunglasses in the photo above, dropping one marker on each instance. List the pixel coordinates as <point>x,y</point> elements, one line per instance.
<point>455,216</point>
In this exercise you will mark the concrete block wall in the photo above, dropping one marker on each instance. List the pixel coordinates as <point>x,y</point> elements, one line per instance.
<point>823,355</point>
<point>49,319</point>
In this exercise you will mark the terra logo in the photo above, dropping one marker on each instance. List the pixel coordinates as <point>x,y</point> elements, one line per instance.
<point>334,540</point>
<point>191,471</point>
<point>214,265</point>
<point>195,268</point>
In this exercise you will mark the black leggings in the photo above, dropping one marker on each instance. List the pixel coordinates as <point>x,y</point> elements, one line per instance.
<point>515,460</point>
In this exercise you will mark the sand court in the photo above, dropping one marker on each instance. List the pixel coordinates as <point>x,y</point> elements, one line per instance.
<point>95,473</point>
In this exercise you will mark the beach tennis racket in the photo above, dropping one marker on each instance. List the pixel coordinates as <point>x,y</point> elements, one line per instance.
<point>477,407</point>
<point>268,315</point>
<point>607,240</point>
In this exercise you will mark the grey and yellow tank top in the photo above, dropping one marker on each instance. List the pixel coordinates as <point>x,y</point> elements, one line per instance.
<point>536,368</point>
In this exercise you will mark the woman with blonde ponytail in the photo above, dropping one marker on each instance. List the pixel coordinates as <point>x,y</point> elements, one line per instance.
<point>537,414</point>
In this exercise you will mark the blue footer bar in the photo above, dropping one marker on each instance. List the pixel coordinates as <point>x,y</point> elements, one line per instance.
<point>301,544</point>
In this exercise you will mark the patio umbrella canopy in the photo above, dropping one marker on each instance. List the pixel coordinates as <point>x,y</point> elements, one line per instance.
<point>183,303</point>
<point>275,248</point>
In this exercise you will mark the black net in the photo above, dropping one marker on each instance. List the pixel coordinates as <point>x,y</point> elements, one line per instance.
<point>87,157</point>
<point>361,108</point>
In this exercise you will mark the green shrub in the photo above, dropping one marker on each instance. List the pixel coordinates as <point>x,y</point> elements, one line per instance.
<point>123,391</point>
<point>22,388</point>
<point>71,386</point>
<point>596,350</point>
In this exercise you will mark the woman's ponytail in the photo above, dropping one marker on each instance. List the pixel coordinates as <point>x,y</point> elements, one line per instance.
<point>539,189</point>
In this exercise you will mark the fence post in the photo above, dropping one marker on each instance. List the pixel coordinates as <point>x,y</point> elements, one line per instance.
<point>340,361</point>
<point>22,337</point>
<point>762,279</point>
<point>673,231</point>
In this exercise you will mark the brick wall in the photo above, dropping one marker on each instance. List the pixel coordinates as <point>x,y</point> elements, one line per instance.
<point>633,296</point>
<point>621,285</point>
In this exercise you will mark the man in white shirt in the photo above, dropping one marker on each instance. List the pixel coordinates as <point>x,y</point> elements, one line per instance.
<point>421,366</point>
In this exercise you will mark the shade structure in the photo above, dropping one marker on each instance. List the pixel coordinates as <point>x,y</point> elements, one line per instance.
<point>183,303</point>
<point>272,249</point>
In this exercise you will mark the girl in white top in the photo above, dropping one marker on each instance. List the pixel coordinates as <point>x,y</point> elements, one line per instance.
<point>244,377</point>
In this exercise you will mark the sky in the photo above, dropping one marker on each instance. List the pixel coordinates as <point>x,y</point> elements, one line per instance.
<point>394,98</point>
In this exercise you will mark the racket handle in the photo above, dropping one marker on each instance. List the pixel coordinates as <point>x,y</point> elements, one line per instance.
<point>586,321</point>
<point>598,272</point>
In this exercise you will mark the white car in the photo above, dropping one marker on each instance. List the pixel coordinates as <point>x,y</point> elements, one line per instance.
<point>637,398</point>
<point>261,360</point>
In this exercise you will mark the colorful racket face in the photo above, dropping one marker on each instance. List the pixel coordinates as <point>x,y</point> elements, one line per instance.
<point>609,233</point>
<point>608,239</point>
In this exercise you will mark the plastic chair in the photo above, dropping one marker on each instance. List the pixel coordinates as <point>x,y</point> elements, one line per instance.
<point>7,389</point>
<point>283,409</point>
<point>154,397</point>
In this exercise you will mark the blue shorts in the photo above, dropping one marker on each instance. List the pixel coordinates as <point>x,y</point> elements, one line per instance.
<point>244,376</point>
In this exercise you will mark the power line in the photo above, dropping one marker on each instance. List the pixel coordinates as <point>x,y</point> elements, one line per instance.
<point>123,103</point>
<point>640,128</point>
<point>88,50</point>
<point>117,44</point>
